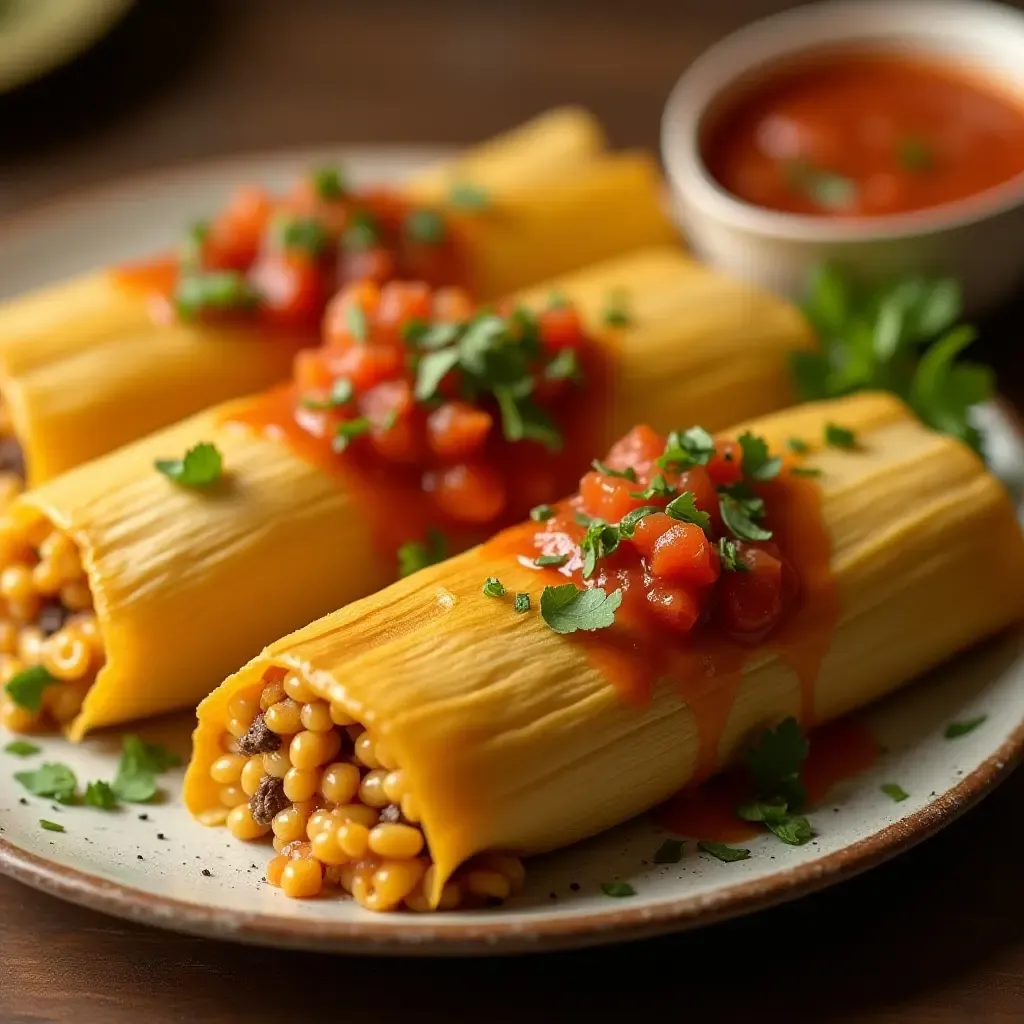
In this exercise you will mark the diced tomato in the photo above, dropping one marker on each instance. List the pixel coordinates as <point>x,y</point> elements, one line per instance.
<point>310,371</point>
<point>399,438</point>
<point>750,603</point>
<point>673,605</point>
<point>385,205</point>
<point>608,497</point>
<point>291,288</point>
<point>235,235</point>
<point>705,496</point>
<point>468,492</point>
<point>452,305</point>
<point>639,448</point>
<point>649,529</point>
<point>560,328</point>
<point>684,553</point>
<point>367,365</point>
<point>393,397</point>
<point>401,302</point>
<point>337,322</point>
<point>377,265</point>
<point>457,430</point>
<point>726,465</point>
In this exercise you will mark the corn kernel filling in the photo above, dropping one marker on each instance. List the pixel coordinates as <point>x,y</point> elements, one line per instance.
<point>336,803</point>
<point>47,620</point>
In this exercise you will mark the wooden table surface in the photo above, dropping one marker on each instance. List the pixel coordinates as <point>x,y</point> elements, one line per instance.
<point>935,936</point>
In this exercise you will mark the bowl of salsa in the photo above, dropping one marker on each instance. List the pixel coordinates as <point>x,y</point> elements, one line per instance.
<point>887,135</point>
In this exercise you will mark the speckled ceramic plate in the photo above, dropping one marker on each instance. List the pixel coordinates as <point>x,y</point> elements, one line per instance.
<point>153,864</point>
<point>39,35</point>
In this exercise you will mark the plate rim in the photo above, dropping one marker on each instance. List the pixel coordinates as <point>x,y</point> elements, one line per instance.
<point>417,937</point>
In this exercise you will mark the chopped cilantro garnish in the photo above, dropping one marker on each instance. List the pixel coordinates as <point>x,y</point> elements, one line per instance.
<point>757,463</point>
<point>52,780</point>
<point>915,154</point>
<point>567,609</point>
<point>51,826</point>
<point>21,748</point>
<point>355,320</point>
<point>191,253</point>
<point>329,182</point>
<point>341,393</point>
<point>522,420</point>
<point>840,437</point>
<point>729,556</point>
<point>521,603</point>
<point>600,540</point>
<point>362,233</point>
<point>895,792</point>
<point>432,369</point>
<point>557,300</point>
<point>670,852</point>
<point>301,234</point>
<point>215,291</point>
<point>774,809</point>
<point>542,513</point>
<point>740,512</point>
<point>553,560</point>
<point>493,587</point>
<point>659,487</point>
<point>629,473</point>
<point>27,686</point>
<point>415,555</point>
<point>826,188</point>
<point>796,444</point>
<point>775,761</point>
<point>345,433</point>
<point>627,525</point>
<point>793,829</point>
<point>468,197</point>
<point>101,795</point>
<point>200,467</point>
<point>564,366</point>
<point>955,729</point>
<point>684,509</point>
<point>138,768</point>
<point>693,447</point>
<point>728,854</point>
<point>425,226</point>
<point>617,889</point>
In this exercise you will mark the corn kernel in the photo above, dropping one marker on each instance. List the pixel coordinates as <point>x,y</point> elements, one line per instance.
<point>284,717</point>
<point>371,789</point>
<point>298,689</point>
<point>302,878</point>
<point>242,826</point>
<point>301,783</point>
<point>395,842</point>
<point>252,774</point>
<point>316,717</point>
<point>313,749</point>
<point>340,782</point>
<point>227,770</point>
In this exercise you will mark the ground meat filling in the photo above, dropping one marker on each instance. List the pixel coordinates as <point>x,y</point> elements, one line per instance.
<point>338,804</point>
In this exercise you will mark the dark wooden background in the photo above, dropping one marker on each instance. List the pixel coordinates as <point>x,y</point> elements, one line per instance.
<point>935,936</point>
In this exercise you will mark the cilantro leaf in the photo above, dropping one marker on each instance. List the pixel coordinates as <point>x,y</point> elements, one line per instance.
<point>757,463</point>
<point>567,609</point>
<point>693,447</point>
<point>600,540</point>
<point>564,366</point>
<point>213,291</point>
<point>21,748</point>
<point>550,560</point>
<point>684,509</point>
<point>493,587</point>
<point>468,197</point>
<point>542,513</point>
<point>361,234</point>
<point>27,686</point>
<point>670,852</point>
<point>348,430</point>
<point>138,768</point>
<point>521,603</point>
<point>793,829</point>
<point>957,729</point>
<point>728,854</point>
<point>629,473</point>
<point>328,182</point>
<point>415,555</point>
<point>738,514</point>
<point>729,556</point>
<point>774,809</point>
<point>432,369</point>
<point>775,761</point>
<point>101,795</point>
<point>342,392</point>
<point>627,525</point>
<point>301,234</point>
<point>796,444</point>
<point>51,826</point>
<point>840,437</point>
<point>821,186</point>
<point>53,780</point>
<point>426,227</point>
<point>617,889</point>
<point>659,487</point>
<point>201,466</point>
<point>894,791</point>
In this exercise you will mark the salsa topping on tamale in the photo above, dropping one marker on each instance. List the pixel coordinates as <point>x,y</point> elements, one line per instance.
<point>277,260</point>
<point>461,419</point>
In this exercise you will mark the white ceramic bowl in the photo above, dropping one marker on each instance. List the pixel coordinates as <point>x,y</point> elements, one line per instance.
<point>980,239</point>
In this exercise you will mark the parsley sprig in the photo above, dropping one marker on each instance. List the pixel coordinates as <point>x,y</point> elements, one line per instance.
<point>902,337</point>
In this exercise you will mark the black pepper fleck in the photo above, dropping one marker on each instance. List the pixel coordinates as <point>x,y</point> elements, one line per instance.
<point>575,886</point>
<point>139,856</point>
<point>23,801</point>
<point>207,873</point>
<point>143,817</point>
<point>160,835</point>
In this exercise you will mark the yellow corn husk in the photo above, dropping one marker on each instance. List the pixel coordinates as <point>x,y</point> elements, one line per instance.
<point>84,368</point>
<point>284,534</point>
<point>509,736</point>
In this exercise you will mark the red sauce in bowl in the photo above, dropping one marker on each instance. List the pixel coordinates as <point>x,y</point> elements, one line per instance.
<point>862,135</point>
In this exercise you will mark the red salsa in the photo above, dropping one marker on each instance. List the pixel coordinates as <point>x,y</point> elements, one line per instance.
<point>861,134</point>
<point>276,260</point>
<point>713,547</point>
<point>446,422</point>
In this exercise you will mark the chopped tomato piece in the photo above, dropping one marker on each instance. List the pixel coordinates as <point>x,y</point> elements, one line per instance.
<point>397,431</point>
<point>291,289</point>
<point>235,235</point>
<point>705,496</point>
<point>639,448</point>
<point>560,327</point>
<point>673,605</point>
<point>608,497</point>
<point>310,371</point>
<point>468,492</point>
<point>377,265</point>
<point>401,302</point>
<point>452,305</point>
<point>750,603</point>
<point>367,365</point>
<point>726,465</point>
<point>649,529</point>
<point>338,322</point>
<point>684,553</point>
<point>457,430</point>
